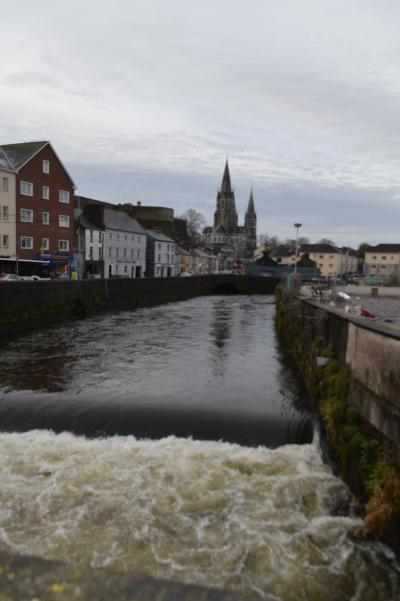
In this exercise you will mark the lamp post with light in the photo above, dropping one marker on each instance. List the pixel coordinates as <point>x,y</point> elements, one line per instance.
<point>297,226</point>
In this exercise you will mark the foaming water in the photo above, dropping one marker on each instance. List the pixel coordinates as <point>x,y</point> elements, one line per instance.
<point>257,520</point>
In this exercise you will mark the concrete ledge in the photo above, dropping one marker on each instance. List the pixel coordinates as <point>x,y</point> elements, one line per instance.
<point>27,578</point>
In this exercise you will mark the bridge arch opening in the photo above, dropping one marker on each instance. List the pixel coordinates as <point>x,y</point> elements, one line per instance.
<point>225,288</point>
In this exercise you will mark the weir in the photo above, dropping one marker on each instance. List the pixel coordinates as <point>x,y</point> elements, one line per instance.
<point>174,441</point>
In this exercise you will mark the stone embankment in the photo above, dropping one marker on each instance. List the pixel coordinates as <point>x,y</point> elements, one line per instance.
<point>31,304</point>
<point>352,367</point>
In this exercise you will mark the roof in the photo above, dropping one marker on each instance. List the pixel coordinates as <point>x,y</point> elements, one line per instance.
<point>82,201</point>
<point>250,207</point>
<point>266,261</point>
<point>384,248</point>
<point>119,220</point>
<point>348,250</point>
<point>282,252</point>
<point>226,187</point>
<point>305,261</point>
<point>19,154</point>
<point>158,236</point>
<point>85,223</point>
<point>319,248</point>
<point>4,162</point>
<point>179,250</point>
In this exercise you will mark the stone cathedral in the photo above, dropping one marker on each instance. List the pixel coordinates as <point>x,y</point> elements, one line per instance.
<point>235,243</point>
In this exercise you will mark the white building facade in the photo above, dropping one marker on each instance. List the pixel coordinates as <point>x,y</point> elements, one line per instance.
<point>115,244</point>
<point>161,255</point>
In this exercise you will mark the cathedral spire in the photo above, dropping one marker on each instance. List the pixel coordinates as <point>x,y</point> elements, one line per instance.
<point>250,208</point>
<point>226,187</point>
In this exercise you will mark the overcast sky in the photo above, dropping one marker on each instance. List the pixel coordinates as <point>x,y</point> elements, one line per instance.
<point>144,99</point>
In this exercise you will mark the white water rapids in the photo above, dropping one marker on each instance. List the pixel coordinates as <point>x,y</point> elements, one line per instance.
<point>256,520</point>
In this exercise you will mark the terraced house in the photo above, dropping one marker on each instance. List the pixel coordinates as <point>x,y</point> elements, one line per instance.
<point>40,204</point>
<point>7,208</point>
<point>328,258</point>
<point>382,262</point>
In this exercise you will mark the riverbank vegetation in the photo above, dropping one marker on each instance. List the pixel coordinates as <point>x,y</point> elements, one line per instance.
<point>366,461</point>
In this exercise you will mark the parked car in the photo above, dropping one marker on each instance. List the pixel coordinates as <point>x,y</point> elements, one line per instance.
<point>10,277</point>
<point>185,274</point>
<point>34,278</point>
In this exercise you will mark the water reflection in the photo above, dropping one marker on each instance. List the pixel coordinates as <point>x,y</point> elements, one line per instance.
<point>208,368</point>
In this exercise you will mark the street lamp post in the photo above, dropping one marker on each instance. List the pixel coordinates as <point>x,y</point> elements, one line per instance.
<point>297,226</point>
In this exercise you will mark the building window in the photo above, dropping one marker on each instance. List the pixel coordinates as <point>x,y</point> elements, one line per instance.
<point>133,238</point>
<point>63,245</point>
<point>159,258</point>
<point>91,236</point>
<point>131,253</point>
<point>110,236</point>
<point>117,252</point>
<point>26,188</point>
<point>45,192</point>
<point>46,166</point>
<point>63,196</point>
<point>45,243</point>
<point>126,237</point>
<point>126,268</point>
<point>100,253</point>
<point>110,252</point>
<point>26,216</point>
<point>4,184</point>
<point>46,218</point>
<point>117,236</point>
<point>138,253</point>
<point>5,214</point>
<point>91,253</point>
<point>26,242</point>
<point>63,220</point>
<point>383,258</point>
<point>125,249</point>
<point>5,241</point>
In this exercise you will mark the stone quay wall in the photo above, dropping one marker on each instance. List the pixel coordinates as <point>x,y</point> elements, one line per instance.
<point>371,351</point>
<point>351,366</point>
<point>30,304</point>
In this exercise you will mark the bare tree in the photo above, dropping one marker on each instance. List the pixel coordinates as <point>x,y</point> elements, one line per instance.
<point>326,241</point>
<point>195,223</point>
<point>361,249</point>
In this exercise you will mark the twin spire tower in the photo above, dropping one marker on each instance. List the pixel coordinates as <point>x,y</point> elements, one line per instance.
<point>236,243</point>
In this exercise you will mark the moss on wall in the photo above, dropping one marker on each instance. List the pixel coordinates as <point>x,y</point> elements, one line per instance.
<point>367,462</point>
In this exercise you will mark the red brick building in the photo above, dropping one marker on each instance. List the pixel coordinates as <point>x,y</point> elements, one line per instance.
<point>44,203</point>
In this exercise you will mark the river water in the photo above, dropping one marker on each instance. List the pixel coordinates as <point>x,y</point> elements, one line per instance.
<point>177,442</point>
